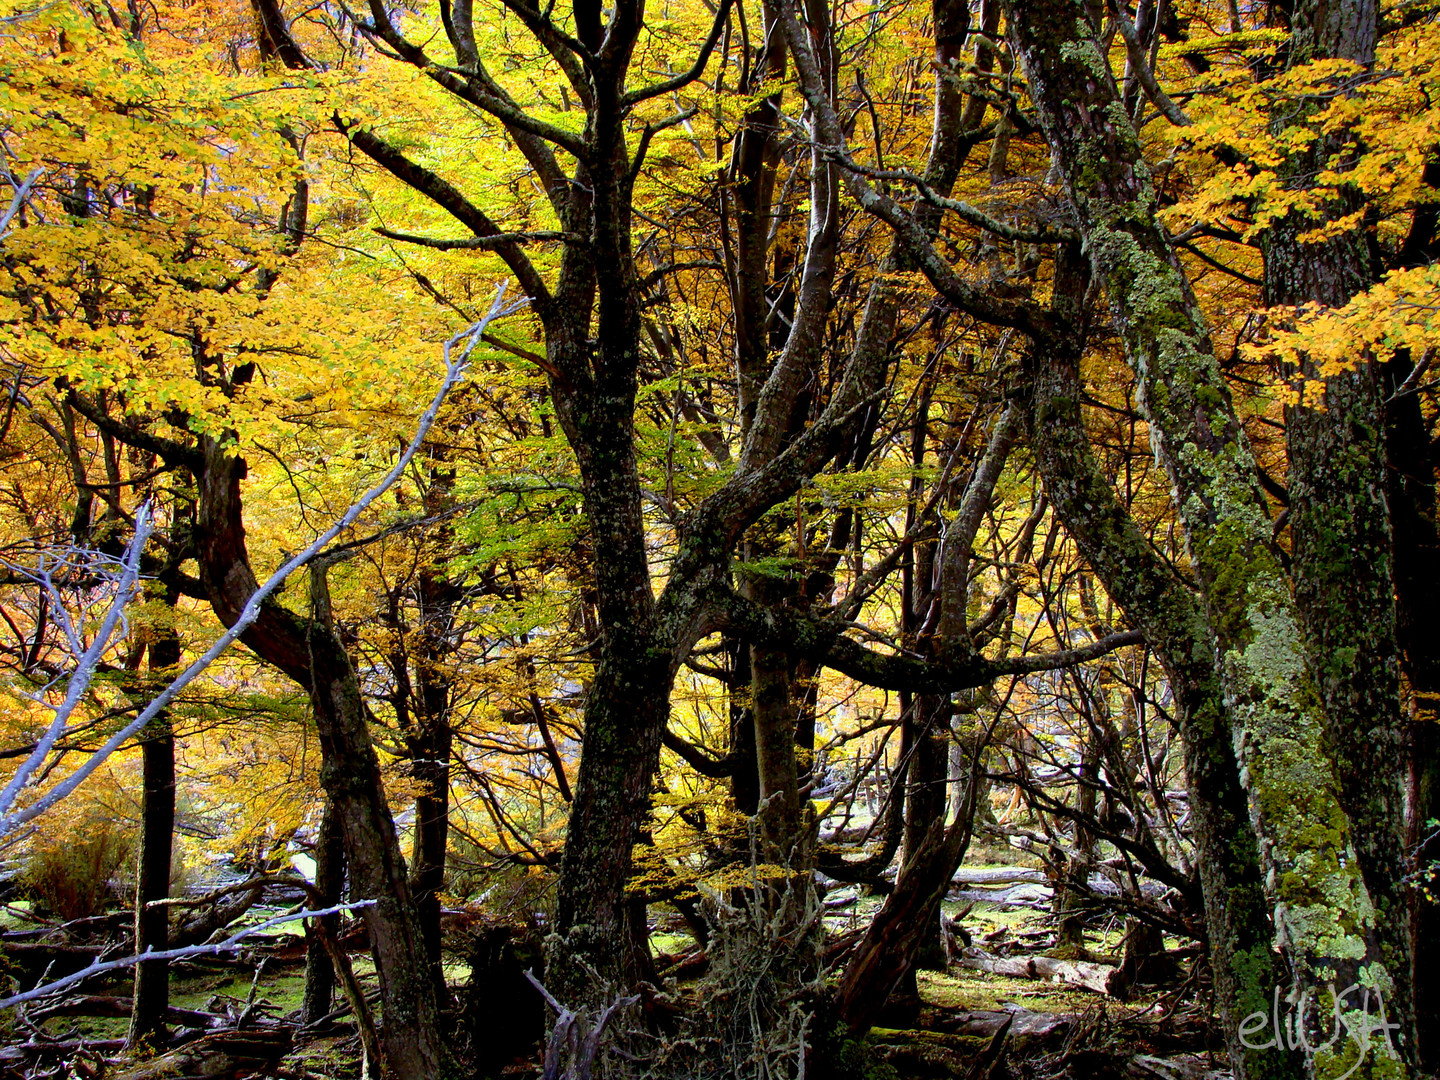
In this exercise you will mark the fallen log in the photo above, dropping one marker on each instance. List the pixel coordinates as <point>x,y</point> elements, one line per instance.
<point>18,1053</point>
<point>226,1055</point>
<point>965,1041</point>
<point>1078,973</point>
<point>199,927</point>
<point>1022,895</point>
<point>34,958</point>
<point>1100,884</point>
<point>1148,1067</point>
<point>684,965</point>
<point>104,1005</point>
<point>1002,875</point>
<point>1023,1023</point>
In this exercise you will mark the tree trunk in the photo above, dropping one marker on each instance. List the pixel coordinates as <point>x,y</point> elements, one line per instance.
<point>745,779</point>
<point>1325,918</point>
<point>910,913</point>
<point>1344,589</point>
<point>773,706</point>
<point>1068,906</point>
<point>1237,916</point>
<point>429,737</point>
<point>350,773</point>
<point>887,951</point>
<point>308,651</point>
<point>157,831</point>
<point>626,709</point>
<point>432,835</point>
<point>926,789</point>
<point>320,971</point>
<point>1410,495</point>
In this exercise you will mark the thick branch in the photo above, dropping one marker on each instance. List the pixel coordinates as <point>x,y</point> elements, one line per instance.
<point>447,196</point>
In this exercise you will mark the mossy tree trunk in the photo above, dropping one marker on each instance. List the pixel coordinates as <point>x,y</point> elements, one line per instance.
<point>1324,916</point>
<point>1339,519</point>
<point>1237,916</point>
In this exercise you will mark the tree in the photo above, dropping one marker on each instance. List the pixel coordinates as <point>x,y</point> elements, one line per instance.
<point>1326,918</point>
<point>818,401</point>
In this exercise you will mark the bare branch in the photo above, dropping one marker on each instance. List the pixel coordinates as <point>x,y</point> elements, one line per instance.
<point>1135,50</point>
<point>22,192</point>
<point>696,69</point>
<point>455,366</point>
<point>99,967</point>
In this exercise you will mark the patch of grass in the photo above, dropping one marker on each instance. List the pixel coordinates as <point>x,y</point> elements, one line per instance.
<point>661,942</point>
<point>964,990</point>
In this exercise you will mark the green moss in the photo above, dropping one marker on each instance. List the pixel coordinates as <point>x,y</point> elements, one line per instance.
<point>964,990</point>
<point>967,1044</point>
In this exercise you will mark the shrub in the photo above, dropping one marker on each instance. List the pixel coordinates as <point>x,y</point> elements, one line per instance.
<point>69,875</point>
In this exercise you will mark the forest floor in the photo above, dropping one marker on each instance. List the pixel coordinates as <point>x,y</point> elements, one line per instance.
<point>1030,1016</point>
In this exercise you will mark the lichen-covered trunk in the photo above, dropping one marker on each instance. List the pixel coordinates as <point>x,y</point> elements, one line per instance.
<point>1323,914</point>
<point>1239,934</point>
<point>1344,593</point>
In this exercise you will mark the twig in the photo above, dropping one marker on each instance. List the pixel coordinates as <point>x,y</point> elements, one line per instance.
<point>99,967</point>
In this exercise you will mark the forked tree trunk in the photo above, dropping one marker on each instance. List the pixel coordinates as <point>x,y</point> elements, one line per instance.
<point>308,651</point>
<point>908,916</point>
<point>886,953</point>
